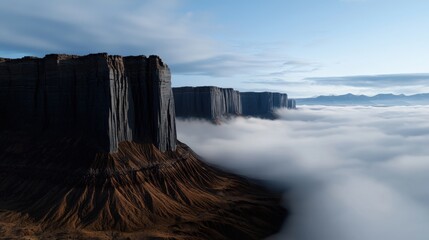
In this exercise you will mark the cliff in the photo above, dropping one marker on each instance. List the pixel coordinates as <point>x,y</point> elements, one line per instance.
<point>291,104</point>
<point>88,150</point>
<point>214,103</point>
<point>207,102</point>
<point>262,104</point>
<point>280,100</point>
<point>106,99</point>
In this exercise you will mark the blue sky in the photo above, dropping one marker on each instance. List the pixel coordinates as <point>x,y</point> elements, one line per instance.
<point>302,47</point>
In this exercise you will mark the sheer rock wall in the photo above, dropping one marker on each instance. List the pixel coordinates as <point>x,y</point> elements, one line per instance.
<point>107,99</point>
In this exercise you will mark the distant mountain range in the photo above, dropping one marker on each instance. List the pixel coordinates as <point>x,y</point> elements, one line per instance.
<point>377,100</point>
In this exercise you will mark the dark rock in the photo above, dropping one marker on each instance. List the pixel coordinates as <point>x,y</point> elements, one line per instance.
<point>207,102</point>
<point>214,103</point>
<point>280,100</point>
<point>85,152</point>
<point>291,104</point>
<point>262,104</point>
<point>106,99</point>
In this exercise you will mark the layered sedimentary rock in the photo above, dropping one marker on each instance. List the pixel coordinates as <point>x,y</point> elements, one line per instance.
<point>207,102</point>
<point>262,104</point>
<point>291,104</point>
<point>107,99</point>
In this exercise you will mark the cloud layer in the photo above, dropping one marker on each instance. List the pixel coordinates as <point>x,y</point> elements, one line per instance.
<point>351,173</point>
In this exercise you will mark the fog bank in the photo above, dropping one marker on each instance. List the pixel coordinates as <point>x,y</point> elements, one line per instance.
<point>352,173</point>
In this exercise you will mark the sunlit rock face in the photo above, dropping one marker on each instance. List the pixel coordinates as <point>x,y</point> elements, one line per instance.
<point>207,102</point>
<point>106,99</point>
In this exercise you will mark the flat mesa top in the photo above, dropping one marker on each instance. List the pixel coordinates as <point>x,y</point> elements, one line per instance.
<point>61,57</point>
<point>201,88</point>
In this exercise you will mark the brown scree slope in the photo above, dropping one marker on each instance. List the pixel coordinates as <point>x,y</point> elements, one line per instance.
<point>123,175</point>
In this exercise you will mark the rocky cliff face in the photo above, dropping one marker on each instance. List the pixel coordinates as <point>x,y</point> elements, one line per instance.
<point>262,104</point>
<point>214,103</point>
<point>102,98</point>
<point>88,151</point>
<point>207,102</point>
<point>280,100</point>
<point>291,104</point>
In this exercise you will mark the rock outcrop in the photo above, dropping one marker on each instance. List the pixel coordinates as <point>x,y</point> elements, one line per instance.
<point>214,103</point>
<point>280,100</point>
<point>262,104</point>
<point>207,102</point>
<point>291,104</point>
<point>107,99</point>
<point>88,150</point>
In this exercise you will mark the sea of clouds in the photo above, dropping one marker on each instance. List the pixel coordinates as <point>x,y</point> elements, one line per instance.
<point>350,173</point>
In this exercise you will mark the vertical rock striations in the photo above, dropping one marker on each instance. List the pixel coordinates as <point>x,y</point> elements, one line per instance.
<point>262,104</point>
<point>280,100</point>
<point>291,104</point>
<point>214,103</point>
<point>88,149</point>
<point>107,99</point>
<point>207,102</point>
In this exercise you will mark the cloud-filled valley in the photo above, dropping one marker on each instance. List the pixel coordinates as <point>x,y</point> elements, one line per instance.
<point>349,172</point>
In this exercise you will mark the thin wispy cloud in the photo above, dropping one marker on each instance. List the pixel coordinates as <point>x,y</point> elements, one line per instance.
<point>276,82</point>
<point>128,28</point>
<point>231,65</point>
<point>376,81</point>
<point>117,27</point>
<point>294,66</point>
<point>227,46</point>
<point>351,173</point>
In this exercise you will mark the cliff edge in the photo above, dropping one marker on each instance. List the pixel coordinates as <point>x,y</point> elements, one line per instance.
<point>214,103</point>
<point>88,150</point>
<point>207,102</point>
<point>263,104</point>
<point>106,99</point>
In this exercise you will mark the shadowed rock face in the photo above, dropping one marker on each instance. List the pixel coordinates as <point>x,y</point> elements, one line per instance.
<point>98,96</point>
<point>207,102</point>
<point>214,103</point>
<point>262,104</point>
<point>88,150</point>
<point>291,104</point>
<point>280,100</point>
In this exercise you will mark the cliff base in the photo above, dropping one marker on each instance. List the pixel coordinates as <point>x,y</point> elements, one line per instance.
<point>137,193</point>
